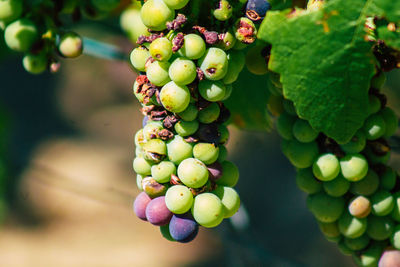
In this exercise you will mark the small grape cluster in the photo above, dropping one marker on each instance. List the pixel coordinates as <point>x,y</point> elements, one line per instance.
<point>187,72</point>
<point>35,28</point>
<point>353,193</point>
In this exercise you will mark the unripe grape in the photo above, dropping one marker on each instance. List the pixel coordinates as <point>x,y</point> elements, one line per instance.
<point>190,113</point>
<point>131,23</point>
<point>344,248</point>
<point>71,45</point>
<point>395,239</point>
<point>21,35</point>
<point>336,187</point>
<point>326,208</point>
<point>245,30</point>
<point>150,131</point>
<point>374,127</point>
<point>229,198</point>
<point>35,63</point>
<point>367,186</point>
<point>178,150</point>
<point>306,181</point>
<point>138,57</point>
<point>236,63</point>
<point>356,144</point>
<point>352,227</point>
<point>374,104</point>
<point>214,63</point>
<point>162,172</point>
<point>382,203</point>
<point>182,71</point>
<point>161,48</point>
<point>10,10</point>
<point>193,173</point>
<point>354,167</point>
<point>212,91</point>
<point>154,150</point>
<point>139,180</point>
<point>391,121</point>
<point>255,62</point>
<point>230,174</point>
<point>152,188</point>
<point>329,229</point>
<point>208,210</point>
<point>360,207</point>
<point>142,166</point>
<point>209,114</point>
<point>303,131</point>
<point>228,41</point>
<point>326,167</point>
<point>139,138</point>
<point>186,128</point>
<point>284,125</point>
<point>206,152</point>
<point>388,179</point>
<point>369,257</point>
<point>224,11</point>
<point>301,155</point>
<point>223,153</point>
<point>396,209</point>
<point>157,73</point>
<point>224,134</point>
<point>175,98</point>
<point>179,199</point>
<point>176,4</point>
<point>155,14</point>
<point>380,228</point>
<point>358,243</point>
<point>193,47</point>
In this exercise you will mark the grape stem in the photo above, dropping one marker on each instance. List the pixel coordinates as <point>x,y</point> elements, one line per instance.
<point>103,50</point>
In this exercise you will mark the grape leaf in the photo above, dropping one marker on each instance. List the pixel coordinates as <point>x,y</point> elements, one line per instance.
<point>248,102</point>
<point>325,62</point>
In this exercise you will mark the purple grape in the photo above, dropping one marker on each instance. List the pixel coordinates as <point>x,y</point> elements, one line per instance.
<point>140,205</point>
<point>208,133</point>
<point>215,171</point>
<point>157,212</point>
<point>183,228</point>
<point>256,9</point>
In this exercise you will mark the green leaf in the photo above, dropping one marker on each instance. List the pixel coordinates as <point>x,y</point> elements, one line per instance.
<point>248,102</point>
<point>325,63</point>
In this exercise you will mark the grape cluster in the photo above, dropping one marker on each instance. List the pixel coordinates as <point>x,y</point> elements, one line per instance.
<point>187,71</point>
<point>353,193</point>
<point>36,28</point>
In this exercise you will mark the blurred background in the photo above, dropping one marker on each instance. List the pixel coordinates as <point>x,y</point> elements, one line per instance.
<point>68,147</point>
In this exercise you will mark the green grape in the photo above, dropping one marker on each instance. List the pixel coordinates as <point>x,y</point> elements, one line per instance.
<point>255,62</point>
<point>396,209</point>
<point>229,198</point>
<point>354,167</point>
<point>329,229</point>
<point>105,5</point>
<point>352,227</point>
<point>176,4</point>
<point>193,173</point>
<point>71,45</point>
<point>326,167</point>
<point>214,63</point>
<point>139,180</point>
<point>150,131</point>
<point>178,150</point>
<point>228,41</point>
<point>132,24</point>
<point>374,127</point>
<point>374,104</point>
<point>142,166</point>
<point>326,208</point>
<point>388,179</point>
<point>139,152</point>
<point>138,57</point>
<point>230,174</point>
<point>161,48</point>
<point>155,14</point>
<point>236,62</point>
<point>10,10</point>
<point>344,248</point>
<point>367,186</point>
<point>154,150</point>
<point>189,114</point>
<point>175,98</point>
<point>360,207</point>
<point>356,144</point>
<point>186,128</point>
<point>382,203</point>
<point>379,228</point>
<point>358,243</point>
<point>224,11</point>
<point>208,210</point>
<point>21,35</point>
<point>178,199</point>
<point>139,138</point>
<point>228,91</point>
<point>224,134</point>
<point>284,125</point>
<point>391,121</point>
<point>301,155</point>
<point>223,153</point>
<point>306,181</point>
<point>337,187</point>
<point>162,171</point>
<point>378,81</point>
<point>182,71</point>
<point>35,63</point>
<point>395,237</point>
<point>209,114</point>
<point>369,257</point>
<point>193,47</point>
<point>212,91</point>
<point>157,73</point>
<point>303,131</point>
<point>206,152</point>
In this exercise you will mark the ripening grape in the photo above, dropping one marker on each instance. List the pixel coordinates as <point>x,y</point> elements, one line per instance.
<point>152,188</point>
<point>329,229</point>
<point>140,205</point>
<point>183,228</point>
<point>193,47</point>
<point>382,203</point>
<point>336,187</point>
<point>157,212</point>
<point>176,4</point>
<point>352,227</point>
<point>284,125</point>
<point>229,198</point>
<point>374,127</point>
<point>179,199</point>
<point>182,71</point>
<point>326,208</point>
<point>326,167</point>
<point>186,128</point>
<point>214,63</point>
<point>71,45</point>
<point>161,48</point>
<point>306,181</point>
<point>209,114</point>
<point>360,207</point>
<point>193,173</point>
<point>301,155</point>
<point>142,166</point>
<point>367,186</point>
<point>178,150</point>
<point>208,210</point>
<point>157,73</point>
<point>21,35</point>
<point>154,150</point>
<point>303,131</point>
<point>354,167</point>
<point>175,98</point>
<point>358,243</point>
<point>155,14</point>
<point>162,171</point>
<point>379,228</point>
<point>227,42</point>
<point>388,179</point>
<point>256,9</point>
<point>10,10</point>
<point>390,258</point>
<point>212,90</point>
<point>230,174</point>
<point>35,63</point>
<point>189,114</point>
<point>395,237</point>
<point>356,144</point>
<point>138,57</point>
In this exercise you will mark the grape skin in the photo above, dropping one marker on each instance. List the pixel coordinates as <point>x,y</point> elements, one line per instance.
<point>326,167</point>
<point>182,71</point>
<point>155,14</point>
<point>212,91</point>
<point>140,205</point>
<point>161,48</point>
<point>206,152</point>
<point>183,228</point>
<point>214,63</point>
<point>207,210</point>
<point>178,199</point>
<point>229,198</point>
<point>193,47</point>
<point>157,73</point>
<point>157,212</point>
<point>193,173</point>
<point>178,150</point>
<point>21,35</point>
<point>175,98</point>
